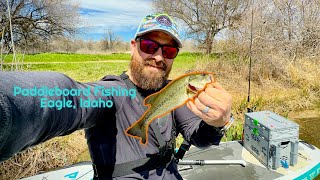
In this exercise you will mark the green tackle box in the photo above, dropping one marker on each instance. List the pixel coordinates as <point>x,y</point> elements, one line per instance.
<point>271,138</point>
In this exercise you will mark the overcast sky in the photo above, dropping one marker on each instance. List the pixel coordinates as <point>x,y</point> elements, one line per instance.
<point>122,16</point>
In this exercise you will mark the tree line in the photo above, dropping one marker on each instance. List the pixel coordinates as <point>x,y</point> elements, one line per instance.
<point>36,22</point>
<point>286,27</point>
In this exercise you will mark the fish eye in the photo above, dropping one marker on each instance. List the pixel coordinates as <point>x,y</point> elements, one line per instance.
<point>203,74</point>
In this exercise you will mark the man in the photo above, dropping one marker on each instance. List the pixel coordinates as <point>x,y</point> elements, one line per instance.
<point>114,154</point>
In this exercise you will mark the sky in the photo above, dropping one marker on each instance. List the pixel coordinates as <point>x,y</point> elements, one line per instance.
<point>121,16</point>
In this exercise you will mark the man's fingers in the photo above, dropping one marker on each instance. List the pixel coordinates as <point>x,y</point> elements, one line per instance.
<point>214,111</point>
<point>217,85</point>
<point>210,118</point>
<point>205,100</point>
<point>214,93</point>
<point>201,107</point>
<point>196,111</point>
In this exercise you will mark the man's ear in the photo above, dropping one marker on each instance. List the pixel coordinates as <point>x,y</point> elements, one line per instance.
<point>133,45</point>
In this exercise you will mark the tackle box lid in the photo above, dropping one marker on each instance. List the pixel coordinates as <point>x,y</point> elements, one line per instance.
<point>270,120</point>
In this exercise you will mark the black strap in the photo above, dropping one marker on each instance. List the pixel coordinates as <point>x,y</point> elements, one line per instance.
<point>184,147</point>
<point>163,158</point>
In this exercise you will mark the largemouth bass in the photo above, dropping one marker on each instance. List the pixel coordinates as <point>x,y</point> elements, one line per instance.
<point>174,95</point>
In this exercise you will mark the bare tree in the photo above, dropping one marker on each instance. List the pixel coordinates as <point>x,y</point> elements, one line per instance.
<point>310,28</point>
<point>35,21</point>
<point>110,40</point>
<point>288,27</point>
<point>205,18</point>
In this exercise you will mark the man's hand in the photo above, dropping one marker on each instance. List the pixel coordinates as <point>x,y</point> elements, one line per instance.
<point>213,105</point>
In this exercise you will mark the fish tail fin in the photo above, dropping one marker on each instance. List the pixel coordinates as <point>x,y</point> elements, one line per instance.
<point>138,131</point>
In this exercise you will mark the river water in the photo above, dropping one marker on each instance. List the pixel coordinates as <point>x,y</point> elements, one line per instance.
<point>309,130</point>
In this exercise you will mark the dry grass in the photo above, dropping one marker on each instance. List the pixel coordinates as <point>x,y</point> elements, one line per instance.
<point>277,84</point>
<point>57,152</point>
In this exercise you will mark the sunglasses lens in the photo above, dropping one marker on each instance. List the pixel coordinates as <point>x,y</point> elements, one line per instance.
<point>148,46</point>
<point>169,52</point>
<point>151,47</point>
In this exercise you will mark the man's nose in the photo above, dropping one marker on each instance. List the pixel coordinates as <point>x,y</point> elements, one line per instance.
<point>158,55</point>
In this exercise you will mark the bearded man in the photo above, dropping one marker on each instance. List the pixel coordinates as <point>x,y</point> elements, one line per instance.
<point>114,154</point>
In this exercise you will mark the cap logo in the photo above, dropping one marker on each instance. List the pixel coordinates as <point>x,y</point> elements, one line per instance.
<point>164,20</point>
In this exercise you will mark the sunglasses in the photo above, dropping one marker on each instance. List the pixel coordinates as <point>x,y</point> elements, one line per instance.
<point>151,47</point>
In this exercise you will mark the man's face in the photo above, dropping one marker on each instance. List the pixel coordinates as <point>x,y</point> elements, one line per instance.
<point>149,71</point>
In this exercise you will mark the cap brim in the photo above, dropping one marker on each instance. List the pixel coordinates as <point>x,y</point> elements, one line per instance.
<point>162,30</point>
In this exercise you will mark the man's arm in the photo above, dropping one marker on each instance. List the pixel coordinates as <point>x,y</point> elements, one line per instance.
<point>23,122</point>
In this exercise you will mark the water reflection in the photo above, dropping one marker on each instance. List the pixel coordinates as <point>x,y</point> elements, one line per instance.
<point>309,130</point>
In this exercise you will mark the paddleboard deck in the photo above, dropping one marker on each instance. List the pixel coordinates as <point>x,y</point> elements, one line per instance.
<point>308,166</point>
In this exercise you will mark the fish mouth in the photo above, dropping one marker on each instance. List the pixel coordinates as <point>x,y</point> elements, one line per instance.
<point>192,88</point>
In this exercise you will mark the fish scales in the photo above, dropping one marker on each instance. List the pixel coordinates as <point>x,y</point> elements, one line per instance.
<point>164,101</point>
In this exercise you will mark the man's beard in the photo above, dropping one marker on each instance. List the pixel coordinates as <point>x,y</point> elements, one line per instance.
<point>145,79</point>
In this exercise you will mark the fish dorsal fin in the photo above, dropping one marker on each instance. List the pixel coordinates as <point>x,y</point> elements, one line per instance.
<point>151,98</point>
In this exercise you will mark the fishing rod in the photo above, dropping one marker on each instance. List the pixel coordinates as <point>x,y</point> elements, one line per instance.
<point>250,57</point>
<point>250,65</point>
<point>213,162</point>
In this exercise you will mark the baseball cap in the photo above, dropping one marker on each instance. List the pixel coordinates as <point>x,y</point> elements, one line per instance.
<point>159,22</point>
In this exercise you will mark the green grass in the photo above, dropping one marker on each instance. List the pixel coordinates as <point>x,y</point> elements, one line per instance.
<point>184,57</point>
<point>87,70</point>
<point>83,72</point>
<point>55,57</point>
